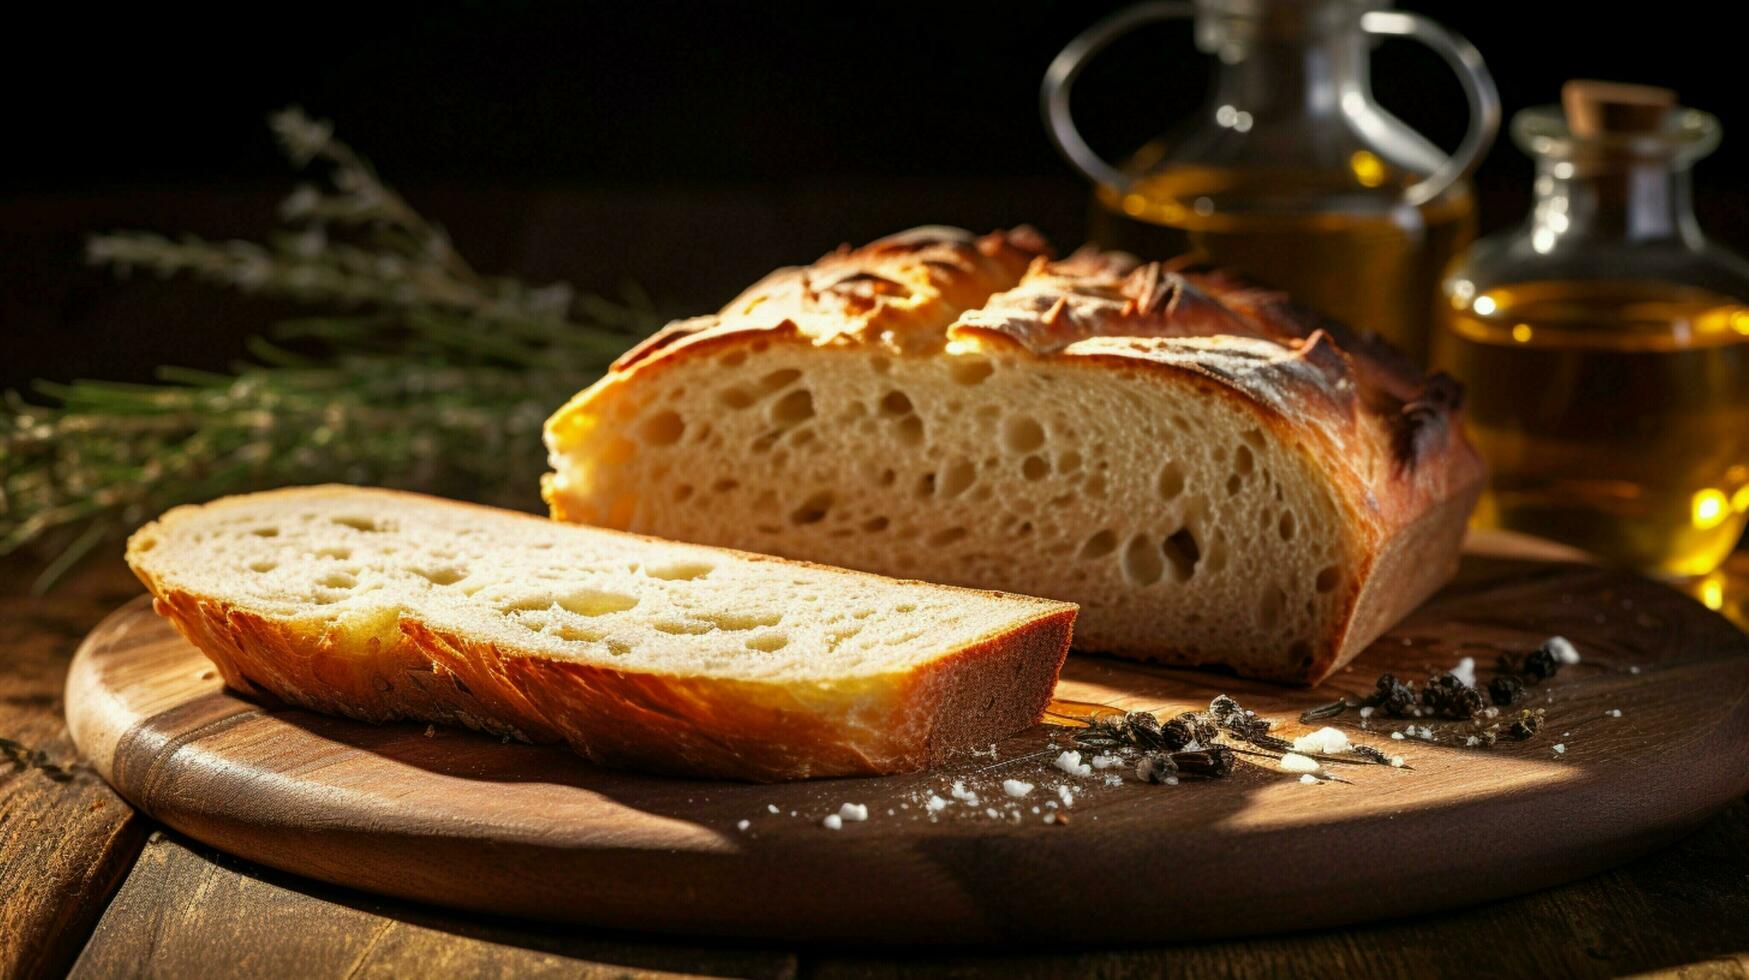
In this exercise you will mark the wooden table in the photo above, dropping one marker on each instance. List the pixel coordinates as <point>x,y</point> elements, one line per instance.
<point>88,885</point>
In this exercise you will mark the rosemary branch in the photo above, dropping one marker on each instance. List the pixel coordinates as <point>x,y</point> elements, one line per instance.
<point>424,373</point>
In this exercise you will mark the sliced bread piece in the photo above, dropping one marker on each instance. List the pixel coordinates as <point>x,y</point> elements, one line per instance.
<point>639,653</point>
<point>1214,476</point>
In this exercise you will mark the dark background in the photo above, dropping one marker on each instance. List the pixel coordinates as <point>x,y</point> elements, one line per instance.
<point>689,146</point>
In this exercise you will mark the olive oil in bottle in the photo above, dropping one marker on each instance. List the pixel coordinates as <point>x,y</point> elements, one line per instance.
<point>1362,256</point>
<point>1614,415</point>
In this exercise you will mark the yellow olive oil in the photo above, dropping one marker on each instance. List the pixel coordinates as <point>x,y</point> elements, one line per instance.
<point>1342,243</point>
<point>1614,415</point>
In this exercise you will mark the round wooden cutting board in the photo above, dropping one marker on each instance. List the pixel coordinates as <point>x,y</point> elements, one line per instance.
<point>455,818</point>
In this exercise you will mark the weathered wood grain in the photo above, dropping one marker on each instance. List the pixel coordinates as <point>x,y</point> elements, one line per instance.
<point>1683,912</point>
<point>66,839</point>
<point>453,818</point>
<point>188,912</point>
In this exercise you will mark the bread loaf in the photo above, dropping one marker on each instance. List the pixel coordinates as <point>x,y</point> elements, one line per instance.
<point>1214,476</point>
<point>639,653</point>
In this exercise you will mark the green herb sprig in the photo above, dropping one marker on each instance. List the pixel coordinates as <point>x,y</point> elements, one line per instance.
<point>419,372</point>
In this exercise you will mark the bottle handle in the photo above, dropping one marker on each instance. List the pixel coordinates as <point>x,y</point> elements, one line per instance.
<point>1461,55</point>
<point>1479,91</point>
<point>1066,66</point>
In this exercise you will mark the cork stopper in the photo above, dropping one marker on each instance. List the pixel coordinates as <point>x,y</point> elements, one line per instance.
<point>1596,108</point>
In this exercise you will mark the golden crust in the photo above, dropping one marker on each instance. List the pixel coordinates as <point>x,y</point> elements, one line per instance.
<point>681,725</point>
<point>1389,437</point>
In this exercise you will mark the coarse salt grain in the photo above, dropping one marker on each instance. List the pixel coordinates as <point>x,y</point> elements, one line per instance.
<point>992,813</point>
<point>1324,741</point>
<point>743,825</point>
<point>772,807</point>
<point>1397,761</point>
<point>853,811</point>
<point>1016,788</point>
<point>1113,779</point>
<point>1366,711</point>
<point>1308,778</point>
<point>1614,712</point>
<point>1399,736</point>
<point>936,804</point>
<point>1560,748</point>
<point>964,795</point>
<point>1465,671</point>
<point>1295,762</point>
<point>1067,797</point>
<point>1070,762</point>
<point>1563,649</point>
<point>833,822</point>
<point>1107,761</point>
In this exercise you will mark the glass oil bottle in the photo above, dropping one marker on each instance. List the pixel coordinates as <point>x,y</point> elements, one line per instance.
<point>1604,345</point>
<point>1292,174</point>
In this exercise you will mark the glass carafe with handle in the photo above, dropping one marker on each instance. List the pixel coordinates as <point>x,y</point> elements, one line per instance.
<point>1291,173</point>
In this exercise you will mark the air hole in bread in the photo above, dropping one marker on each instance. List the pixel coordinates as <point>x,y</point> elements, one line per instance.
<point>1286,526</point>
<point>683,493</point>
<point>742,621</point>
<point>337,580</point>
<point>896,404</point>
<point>263,565</point>
<point>911,430</point>
<point>947,536</point>
<point>1102,543</point>
<point>594,602</point>
<point>1270,606</point>
<point>680,571</point>
<point>1142,564</point>
<point>1234,483</point>
<point>905,607</point>
<point>972,371</point>
<point>736,397</point>
<point>768,642</point>
<point>959,475</point>
<point>1095,486</point>
<point>734,358</point>
<point>1243,461</point>
<point>1069,462</point>
<point>266,532</point>
<point>875,524</point>
<point>334,552</point>
<point>575,634</point>
<point>365,524</point>
<point>813,510</point>
<point>778,380</point>
<point>664,428</point>
<point>1171,480</point>
<point>1303,650</point>
<point>725,486</point>
<point>1181,551</point>
<point>887,477</point>
<point>440,576</point>
<point>1035,468</point>
<point>880,364</point>
<point>793,408</point>
<point>1021,434</point>
<point>926,485</point>
<point>683,627</point>
<point>1328,578</point>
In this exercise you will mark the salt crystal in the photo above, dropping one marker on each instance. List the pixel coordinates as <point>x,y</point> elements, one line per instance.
<point>1397,761</point>
<point>1634,669</point>
<point>991,811</point>
<point>833,822</point>
<point>1070,762</point>
<point>1050,818</point>
<point>1614,712</point>
<point>1295,762</point>
<point>1366,711</point>
<point>1308,778</point>
<point>1113,779</point>
<point>853,811</point>
<point>1016,788</point>
<point>936,804</point>
<point>1399,736</point>
<point>964,795</point>
<point>772,807</point>
<point>1465,671</point>
<point>743,825</point>
<point>1324,741</point>
<point>1067,797</point>
<point>1563,649</point>
<point>1560,748</point>
<point>1107,761</point>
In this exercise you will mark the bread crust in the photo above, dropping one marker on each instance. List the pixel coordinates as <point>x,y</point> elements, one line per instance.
<point>1388,438</point>
<point>674,724</point>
